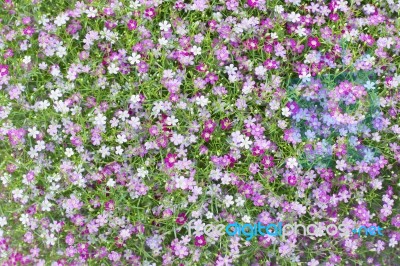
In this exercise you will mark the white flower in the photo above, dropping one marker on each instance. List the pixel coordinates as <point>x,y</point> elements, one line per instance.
<point>274,35</point>
<point>225,179</point>
<point>114,122</point>
<point>142,172</point>
<point>69,152</point>
<point>17,193</point>
<point>282,124</point>
<point>368,9</point>
<point>118,150</point>
<point>123,115</point>
<point>199,227</point>
<point>61,51</point>
<point>27,59</point>
<point>246,142</point>
<point>393,242</point>
<point>231,69</point>
<point>291,162</point>
<point>181,182</point>
<point>121,138</point>
<point>246,219</point>
<point>341,165</point>
<point>32,132</point>
<point>196,50</point>
<point>110,183</point>
<point>202,101</point>
<point>164,26</point>
<point>113,68</point>
<point>41,145</point>
<point>134,58</point>
<point>51,240</point>
<point>305,77</point>
<point>286,112</point>
<point>296,2</point>
<point>162,41</point>
<point>135,4</point>
<point>3,221</point>
<point>91,12</point>
<point>232,78</point>
<point>279,9</point>
<point>376,137</point>
<point>33,153</point>
<point>260,71</point>
<point>293,17</point>
<point>301,31</point>
<point>239,202</point>
<point>171,121</point>
<point>100,119</point>
<point>105,151</point>
<point>61,19</point>
<point>177,139</point>
<point>134,122</point>
<point>228,201</point>
<point>44,20</point>
<point>46,205</point>
<point>24,219</point>
<point>274,105</point>
<point>55,71</point>
<point>370,85</point>
<point>135,99</point>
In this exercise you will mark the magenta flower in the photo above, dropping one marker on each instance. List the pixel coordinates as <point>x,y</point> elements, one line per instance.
<point>313,42</point>
<point>293,107</point>
<point>257,151</point>
<point>206,135</point>
<point>3,70</point>
<point>268,161</point>
<point>29,31</point>
<point>292,180</point>
<point>16,136</point>
<point>182,218</point>
<point>170,160</point>
<point>396,221</point>
<point>225,124</point>
<point>109,205</point>
<point>150,13</point>
<point>132,24</point>
<point>200,241</point>
<point>209,126</point>
<point>252,3</point>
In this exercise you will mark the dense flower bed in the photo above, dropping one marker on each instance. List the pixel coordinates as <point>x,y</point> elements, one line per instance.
<point>122,122</point>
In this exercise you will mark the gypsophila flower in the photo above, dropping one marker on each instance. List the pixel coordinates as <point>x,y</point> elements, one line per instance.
<point>159,123</point>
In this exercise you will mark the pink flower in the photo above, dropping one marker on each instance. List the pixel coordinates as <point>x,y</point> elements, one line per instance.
<point>170,160</point>
<point>225,124</point>
<point>313,42</point>
<point>132,24</point>
<point>182,218</point>
<point>200,241</point>
<point>206,135</point>
<point>268,161</point>
<point>252,3</point>
<point>209,125</point>
<point>3,70</point>
<point>109,205</point>
<point>29,31</point>
<point>150,13</point>
<point>292,180</point>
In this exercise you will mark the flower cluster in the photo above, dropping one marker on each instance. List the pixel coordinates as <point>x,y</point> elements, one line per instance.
<point>120,121</point>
